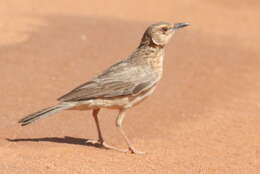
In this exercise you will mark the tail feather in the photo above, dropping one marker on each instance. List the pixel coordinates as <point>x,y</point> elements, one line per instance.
<point>42,113</point>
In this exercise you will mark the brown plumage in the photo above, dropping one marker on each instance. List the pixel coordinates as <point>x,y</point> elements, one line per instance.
<point>121,86</point>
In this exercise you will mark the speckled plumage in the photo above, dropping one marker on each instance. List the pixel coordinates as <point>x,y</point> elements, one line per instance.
<point>121,86</point>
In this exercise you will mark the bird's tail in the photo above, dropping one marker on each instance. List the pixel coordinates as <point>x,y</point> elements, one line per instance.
<point>43,113</point>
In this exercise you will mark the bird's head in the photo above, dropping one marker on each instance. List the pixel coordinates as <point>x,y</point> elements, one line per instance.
<point>160,33</point>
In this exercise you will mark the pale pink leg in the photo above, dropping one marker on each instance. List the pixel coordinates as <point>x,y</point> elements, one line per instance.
<point>100,140</point>
<point>119,122</point>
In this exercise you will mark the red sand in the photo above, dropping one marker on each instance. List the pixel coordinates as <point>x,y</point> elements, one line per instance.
<point>203,118</point>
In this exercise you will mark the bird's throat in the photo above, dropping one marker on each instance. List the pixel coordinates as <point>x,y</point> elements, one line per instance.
<point>150,56</point>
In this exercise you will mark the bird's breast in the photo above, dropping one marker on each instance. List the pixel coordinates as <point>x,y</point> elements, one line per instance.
<point>156,62</point>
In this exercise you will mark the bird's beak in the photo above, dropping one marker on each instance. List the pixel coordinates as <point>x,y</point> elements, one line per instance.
<point>180,25</point>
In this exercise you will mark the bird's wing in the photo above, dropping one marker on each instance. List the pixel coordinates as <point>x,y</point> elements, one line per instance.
<point>119,80</point>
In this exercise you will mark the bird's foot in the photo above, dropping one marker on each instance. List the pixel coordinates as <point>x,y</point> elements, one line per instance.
<point>96,143</point>
<point>103,144</point>
<point>133,150</point>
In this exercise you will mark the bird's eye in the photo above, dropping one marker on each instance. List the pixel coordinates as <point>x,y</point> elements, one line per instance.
<point>164,29</point>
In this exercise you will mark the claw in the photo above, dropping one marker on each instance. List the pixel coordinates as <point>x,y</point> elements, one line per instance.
<point>96,143</point>
<point>134,151</point>
<point>113,148</point>
<point>102,144</point>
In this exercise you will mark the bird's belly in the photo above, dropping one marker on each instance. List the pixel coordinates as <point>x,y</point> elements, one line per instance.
<point>114,103</point>
<point>139,98</point>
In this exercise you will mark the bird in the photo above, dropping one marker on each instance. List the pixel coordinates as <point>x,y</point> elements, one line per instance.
<point>121,86</point>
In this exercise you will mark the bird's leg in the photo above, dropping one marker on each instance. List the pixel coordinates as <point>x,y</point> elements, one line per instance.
<point>100,137</point>
<point>95,115</point>
<point>100,141</point>
<point>119,122</point>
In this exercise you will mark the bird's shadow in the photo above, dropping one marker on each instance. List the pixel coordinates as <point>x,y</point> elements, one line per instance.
<point>65,140</point>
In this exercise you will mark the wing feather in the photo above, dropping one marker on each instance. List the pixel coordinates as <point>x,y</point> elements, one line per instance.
<point>119,80</point>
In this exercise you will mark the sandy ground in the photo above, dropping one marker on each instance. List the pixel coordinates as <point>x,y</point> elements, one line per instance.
<point>203,118</point>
